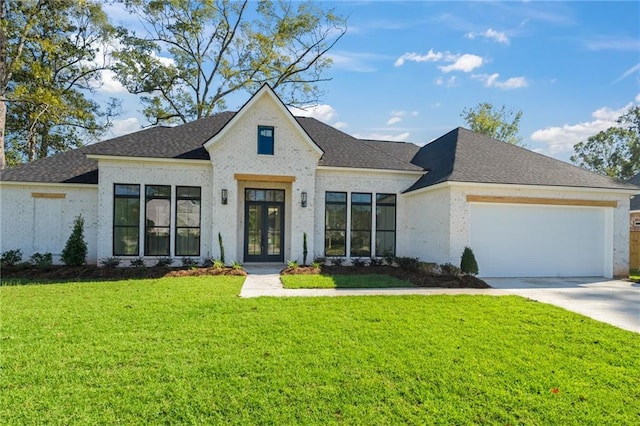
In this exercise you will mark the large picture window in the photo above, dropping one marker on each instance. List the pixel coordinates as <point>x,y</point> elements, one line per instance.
<point>360,224</point>
<point>187,221</point>
<point>385,224</point>
<point>157,220</point>
<point>335,224</point>
<point>126,220</point>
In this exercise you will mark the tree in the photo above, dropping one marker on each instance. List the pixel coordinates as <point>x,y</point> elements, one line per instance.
<point>501,124</point>
<point>48,67</point>
<point>614,152</point>
<point>193,55</point>
<point>75,250</point>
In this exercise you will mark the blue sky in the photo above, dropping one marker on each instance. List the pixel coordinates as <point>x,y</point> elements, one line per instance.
<point>406,70</point>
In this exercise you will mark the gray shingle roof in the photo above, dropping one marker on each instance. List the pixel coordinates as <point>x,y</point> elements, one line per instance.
<point>464,156</point>
<point>635,202</point>
<point>185,142</point>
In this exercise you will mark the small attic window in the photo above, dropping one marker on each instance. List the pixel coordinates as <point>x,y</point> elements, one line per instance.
<point>265,140</point>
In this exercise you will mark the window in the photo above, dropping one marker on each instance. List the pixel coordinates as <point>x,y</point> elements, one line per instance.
<point>385,224</point>
<point>360,224</point>
<point>157,220</point>
<point>335,224</point>
<point>126,220</point>
<point>265,140</point>
<point>187,234</point>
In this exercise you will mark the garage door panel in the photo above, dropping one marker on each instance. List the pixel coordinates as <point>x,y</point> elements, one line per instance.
<point>524,240</point>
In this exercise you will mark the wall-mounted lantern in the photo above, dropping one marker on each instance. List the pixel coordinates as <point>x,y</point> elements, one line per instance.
<point>225,196</point>
<point>304,200</point>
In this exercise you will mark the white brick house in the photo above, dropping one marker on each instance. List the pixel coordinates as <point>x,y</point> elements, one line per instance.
<point>261,178</point>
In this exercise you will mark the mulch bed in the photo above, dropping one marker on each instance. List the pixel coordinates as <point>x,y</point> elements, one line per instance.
<point>420,279</point>
<point>92,272</point>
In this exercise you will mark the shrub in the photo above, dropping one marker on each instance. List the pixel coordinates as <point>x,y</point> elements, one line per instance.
<point>164,262</point>
<point>337,261</point>
<point>316,265</point>
<point>292,264</point>
<point>42,260</point>
<point>374,261</point>
<point>75,250</point>
<point>218,264</point>
<point>410,264</point>
<point>138,262</point>
<point>304,248</point>
<point>429,268</point>
<point>207,262</point>
<point>450,269</point>
<point>221,247</point>
<point>110,262</point>
<point>189,262</point>
<point>320,261</point>
<point>468,264</point>
<point>357,262</point>
<point>11,257</point>
<point>389,257</point>
<point>236,265</point>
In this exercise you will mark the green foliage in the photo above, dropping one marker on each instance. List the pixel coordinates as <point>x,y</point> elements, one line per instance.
<point>411,264</point>
<point>356,261</point>
<point>189,262</point>
<point>501,124</point>
<point>42,260</point>
<point>468,264</point>
<point>219,48</point>
<point>236,266</point>
<point>110,262</point>
<point>164,262</point>
<point>11,257</point>
<point>450,269</point>
<point>614,152</point>
<point>75,250</point>
<point>292,264</point>
<point>388,257</point>
<point>304,248</point>
<point>337,261</point>
<point>374,261</point>
<point>221,248</point>
<point>54,62</point>
<point>342,281</point>
<point>316,265</point>
<point>138,262</point>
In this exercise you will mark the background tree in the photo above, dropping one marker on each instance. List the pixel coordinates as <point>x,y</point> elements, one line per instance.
<point>501,124</point>
<point>192,55</point>
<point>614,152</point>
<point>50,65</point>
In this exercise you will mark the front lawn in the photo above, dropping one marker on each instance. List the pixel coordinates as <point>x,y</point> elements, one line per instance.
<point>188,350</point>
<point>342,281</point>
<point>634,275</point>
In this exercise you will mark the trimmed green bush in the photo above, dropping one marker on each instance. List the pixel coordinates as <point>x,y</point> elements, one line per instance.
<point>468,264</point>
<point>11,257</point>
<point>75,250</point>
<point>42,260</point>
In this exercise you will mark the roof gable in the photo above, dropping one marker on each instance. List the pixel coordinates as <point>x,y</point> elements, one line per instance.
<point>265,91</point>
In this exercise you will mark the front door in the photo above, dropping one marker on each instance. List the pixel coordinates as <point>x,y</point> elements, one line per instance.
<point>264,225</point>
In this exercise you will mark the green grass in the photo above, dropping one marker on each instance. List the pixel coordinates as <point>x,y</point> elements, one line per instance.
<point>634,274</point>
<point>188,350</point>
<point>342,281</point>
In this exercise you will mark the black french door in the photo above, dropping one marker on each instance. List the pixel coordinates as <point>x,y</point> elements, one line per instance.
<point>264,225</point>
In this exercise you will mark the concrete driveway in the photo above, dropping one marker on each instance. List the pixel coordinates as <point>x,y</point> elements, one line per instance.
<point>615,302</point>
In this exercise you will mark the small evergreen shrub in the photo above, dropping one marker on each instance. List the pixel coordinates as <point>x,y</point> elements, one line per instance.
<point>357,262</point>
<point>292,264</point>
<point>110,262</point>
<point>42,260</point>
<point>138,262</point>
<point>316,265</point>
<point>11,257</point>
<point>304,248</point>
<point>236,265</point>
<point>207,262</point>
<point>75,250</point>
<point>164,262</point>
<point>388,257</point>
<point>450,269</point>
<point>221,248</point>
<point>189,262</point>
<point>337,261</point>
<point>374,261</point>
<point>468,264</point>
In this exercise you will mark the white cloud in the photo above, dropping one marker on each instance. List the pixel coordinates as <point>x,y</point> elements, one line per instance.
<point>628,72</point>
<point>638,97</point>
<point>322,112</point>
<point>449,82</point>
<point>491,34</point>
<point>491,80</point>
<point>340,125</point>
<point>562,139</point>
<point>110,84</point>
<point>353,61</point>
<point>465,63</point>
<point>124,126</point>
<point>431,56</point>
<point>402,137</point>
<point>393,120</point>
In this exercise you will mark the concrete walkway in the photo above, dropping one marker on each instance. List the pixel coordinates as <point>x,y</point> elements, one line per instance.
<point>615,302</point>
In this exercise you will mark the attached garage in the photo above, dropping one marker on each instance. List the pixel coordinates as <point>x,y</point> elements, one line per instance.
<point>521,240</point>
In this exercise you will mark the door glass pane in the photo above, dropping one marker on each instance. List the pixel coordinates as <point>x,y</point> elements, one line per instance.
<point>274,230</point>
<point>254,230</point>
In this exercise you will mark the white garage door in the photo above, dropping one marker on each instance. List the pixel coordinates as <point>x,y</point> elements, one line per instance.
<point>538,241</point>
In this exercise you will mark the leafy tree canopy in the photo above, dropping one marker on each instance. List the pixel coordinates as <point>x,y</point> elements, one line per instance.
<point>501,124</point>
<point>193,54</point>
<point>614,152</point>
